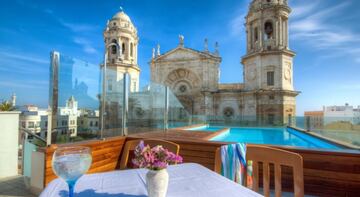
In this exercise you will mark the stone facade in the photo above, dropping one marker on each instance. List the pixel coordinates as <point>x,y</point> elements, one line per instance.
<point>267,95</point>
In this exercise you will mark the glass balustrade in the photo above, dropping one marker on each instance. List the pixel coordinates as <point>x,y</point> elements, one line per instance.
<point>92,101</point>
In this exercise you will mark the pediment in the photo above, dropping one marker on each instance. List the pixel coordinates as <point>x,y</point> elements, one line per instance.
<point>180,54</point>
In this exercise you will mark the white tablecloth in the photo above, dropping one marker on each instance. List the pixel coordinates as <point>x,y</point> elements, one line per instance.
<point>185,180</point>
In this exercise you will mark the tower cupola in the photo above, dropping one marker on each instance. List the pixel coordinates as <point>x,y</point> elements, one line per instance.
<point>121,46</point>
<point>267,25</point>
<point>121,38</point>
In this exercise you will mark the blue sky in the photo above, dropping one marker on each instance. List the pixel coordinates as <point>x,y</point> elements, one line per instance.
<point>325,35</point>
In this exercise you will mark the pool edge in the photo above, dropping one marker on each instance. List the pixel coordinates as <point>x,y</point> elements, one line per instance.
<point>329,140</point>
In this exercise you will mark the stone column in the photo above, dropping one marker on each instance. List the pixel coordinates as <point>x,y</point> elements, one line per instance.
<point>280,31</point>
<point>248,38</point>
<point>261,31</point>
<point>284,33</point>
<point>128,51</point>
<point>134,52</point>
<point>251,38</point>
<point>287,34</point>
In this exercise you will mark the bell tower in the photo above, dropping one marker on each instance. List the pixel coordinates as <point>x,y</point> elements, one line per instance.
<point>121,43</point>
<point>268,63</point>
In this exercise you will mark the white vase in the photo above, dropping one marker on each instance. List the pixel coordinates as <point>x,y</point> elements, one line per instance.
<point>157,182</point>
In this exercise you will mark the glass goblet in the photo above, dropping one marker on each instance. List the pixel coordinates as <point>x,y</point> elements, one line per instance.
<point>70,163</point>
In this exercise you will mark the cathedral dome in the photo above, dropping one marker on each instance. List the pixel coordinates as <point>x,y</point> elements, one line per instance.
<point>121,21</point>
<point>121,16</point>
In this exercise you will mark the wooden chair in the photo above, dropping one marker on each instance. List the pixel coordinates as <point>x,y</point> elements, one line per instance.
<point>130,146</point>
<point>262,155</point>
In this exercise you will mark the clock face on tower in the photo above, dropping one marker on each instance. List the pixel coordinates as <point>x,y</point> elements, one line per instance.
<point>251,74</point>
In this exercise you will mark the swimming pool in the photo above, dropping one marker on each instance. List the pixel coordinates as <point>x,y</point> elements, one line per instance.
<point>272,136</point>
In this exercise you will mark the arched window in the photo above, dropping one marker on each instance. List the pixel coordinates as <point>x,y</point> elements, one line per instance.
<point>256,34</point>
<point>123,48</point>
<point>268,28</point>
<point>113,47</point>
<point>131,49</point>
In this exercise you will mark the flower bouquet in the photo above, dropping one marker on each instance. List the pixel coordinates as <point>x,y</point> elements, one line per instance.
<point>156,159</point>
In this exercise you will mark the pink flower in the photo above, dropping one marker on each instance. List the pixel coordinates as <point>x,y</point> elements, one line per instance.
<point>155,158</point>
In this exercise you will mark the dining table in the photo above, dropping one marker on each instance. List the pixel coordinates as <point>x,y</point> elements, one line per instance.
<point>185,180</point>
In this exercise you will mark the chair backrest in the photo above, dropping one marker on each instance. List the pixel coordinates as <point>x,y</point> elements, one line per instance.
<point>131,145</point>
<point>262,155</point>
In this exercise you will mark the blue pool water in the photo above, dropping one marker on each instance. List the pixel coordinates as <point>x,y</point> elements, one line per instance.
<point>272,136</point>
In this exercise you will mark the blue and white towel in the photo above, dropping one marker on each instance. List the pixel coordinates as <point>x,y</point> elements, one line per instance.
<point>233,162</point>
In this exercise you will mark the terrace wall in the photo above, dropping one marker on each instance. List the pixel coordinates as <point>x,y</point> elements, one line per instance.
<point>325,173</point>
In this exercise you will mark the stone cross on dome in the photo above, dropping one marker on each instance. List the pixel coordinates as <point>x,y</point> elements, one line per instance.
<point>181,40</point>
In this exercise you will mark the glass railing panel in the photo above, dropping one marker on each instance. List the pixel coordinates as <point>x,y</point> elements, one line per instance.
<point>342,129</point>
<point>180,111</point>
<point>74,97</point>
<point>147,109</point>
<point>114,102</point>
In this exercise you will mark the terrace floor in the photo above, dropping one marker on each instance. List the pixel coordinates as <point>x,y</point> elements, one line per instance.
<point>14,187</point>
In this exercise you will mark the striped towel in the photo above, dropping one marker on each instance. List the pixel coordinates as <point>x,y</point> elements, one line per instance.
<point>233,162</point>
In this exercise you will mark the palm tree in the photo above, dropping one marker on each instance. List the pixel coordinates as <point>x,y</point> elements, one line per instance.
<point>6,106</point>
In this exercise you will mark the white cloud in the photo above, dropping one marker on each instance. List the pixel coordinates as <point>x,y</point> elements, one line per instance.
<point>237,25</point>
<point>25,84</point>
<point>80,30</point>
<point>78,27</point>
<point>24,57</point>
<point>86,44</point>
<point>301,10</point>
<point>319,31</point>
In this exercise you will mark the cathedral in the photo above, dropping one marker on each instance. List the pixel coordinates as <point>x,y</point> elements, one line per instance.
<point>266,96</point>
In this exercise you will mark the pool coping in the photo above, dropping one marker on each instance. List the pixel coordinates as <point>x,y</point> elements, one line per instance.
<point>209,137</point>
<point>189,127</point>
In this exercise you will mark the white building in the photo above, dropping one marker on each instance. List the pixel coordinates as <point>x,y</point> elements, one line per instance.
<point>89,121</point>
<point>67,117</point>
<point>36,120</point>
<point>31,117</point>
<point>342,113</point>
